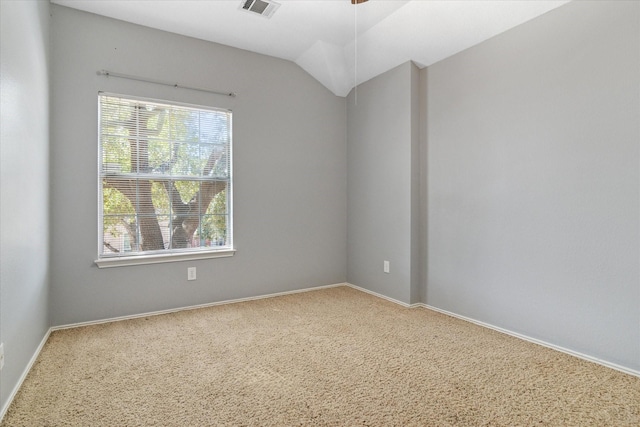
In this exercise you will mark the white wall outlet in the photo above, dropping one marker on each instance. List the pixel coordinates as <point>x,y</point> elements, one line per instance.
<point>1,356</point>
<point>386,266</point>
<point>191,273</point>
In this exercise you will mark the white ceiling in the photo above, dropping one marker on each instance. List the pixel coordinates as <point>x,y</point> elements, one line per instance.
<point>339,44</point>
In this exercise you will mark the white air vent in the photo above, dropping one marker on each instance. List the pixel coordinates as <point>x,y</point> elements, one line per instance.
<point>265,8</point>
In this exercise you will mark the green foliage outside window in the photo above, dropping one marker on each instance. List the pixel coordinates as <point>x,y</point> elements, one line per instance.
<point>165,176</point>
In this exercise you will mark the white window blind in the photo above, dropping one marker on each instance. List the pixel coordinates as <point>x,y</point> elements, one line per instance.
<point>164,178</point>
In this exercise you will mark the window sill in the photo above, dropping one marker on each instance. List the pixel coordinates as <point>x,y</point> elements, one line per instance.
<point>157,259</point>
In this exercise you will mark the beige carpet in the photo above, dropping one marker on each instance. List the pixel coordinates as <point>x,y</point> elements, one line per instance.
<point>335,357</point>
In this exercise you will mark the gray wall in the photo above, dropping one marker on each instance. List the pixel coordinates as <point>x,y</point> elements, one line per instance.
<point>533,180</point>
<point>289,164</point>
<point>24,185</point>
<point>382,181</point>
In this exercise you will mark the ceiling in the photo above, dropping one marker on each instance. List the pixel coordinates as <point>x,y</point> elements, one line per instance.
<point>339,44</point>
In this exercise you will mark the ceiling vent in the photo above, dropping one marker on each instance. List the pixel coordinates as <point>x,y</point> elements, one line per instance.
<point>264,8</point>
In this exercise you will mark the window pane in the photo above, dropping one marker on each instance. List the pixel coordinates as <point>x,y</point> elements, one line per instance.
<point>116,155</point>
<point>120,234</point>
<point>188,161</point>
<point>160,197</point>
<point>114,201</point>
<point>214,160</point>
<point>153,232</point>
<point>213,231</point>
<point>161,157</point>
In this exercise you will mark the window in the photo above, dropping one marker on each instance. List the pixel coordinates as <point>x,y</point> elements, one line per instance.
<point>164,179</point>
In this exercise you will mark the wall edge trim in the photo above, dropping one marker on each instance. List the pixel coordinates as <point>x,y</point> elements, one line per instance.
<point>26,371</point>
<point>376,294</point>
<point>190,307</point>
<point>523,337</point>
<point>577,354</point>
<point>33,359</point>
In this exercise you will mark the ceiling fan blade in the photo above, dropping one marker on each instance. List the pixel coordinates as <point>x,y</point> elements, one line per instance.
<point>358,1</point>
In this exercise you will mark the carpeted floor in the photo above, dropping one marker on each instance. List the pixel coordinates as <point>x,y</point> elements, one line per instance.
<point>337,357</point>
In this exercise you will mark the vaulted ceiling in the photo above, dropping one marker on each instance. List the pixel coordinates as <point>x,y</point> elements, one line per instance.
<point>338,43</point>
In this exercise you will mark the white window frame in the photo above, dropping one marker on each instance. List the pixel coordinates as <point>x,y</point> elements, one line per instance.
<point>166,255</point>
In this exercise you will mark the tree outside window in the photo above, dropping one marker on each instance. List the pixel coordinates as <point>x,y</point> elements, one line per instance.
<point>165,177</point>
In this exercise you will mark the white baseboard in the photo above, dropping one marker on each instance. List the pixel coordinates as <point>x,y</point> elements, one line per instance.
<point>535,341</point>
<point>577,354</point>
<point>6,406</point>
<point>33,359</point>
<point>233,301</point>
<point>404,304</point>
<point>191,307</point>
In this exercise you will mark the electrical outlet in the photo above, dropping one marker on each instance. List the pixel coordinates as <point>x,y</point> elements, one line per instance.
<point>386,266</point>
<point>1,356</point>
<point>191,273</point>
